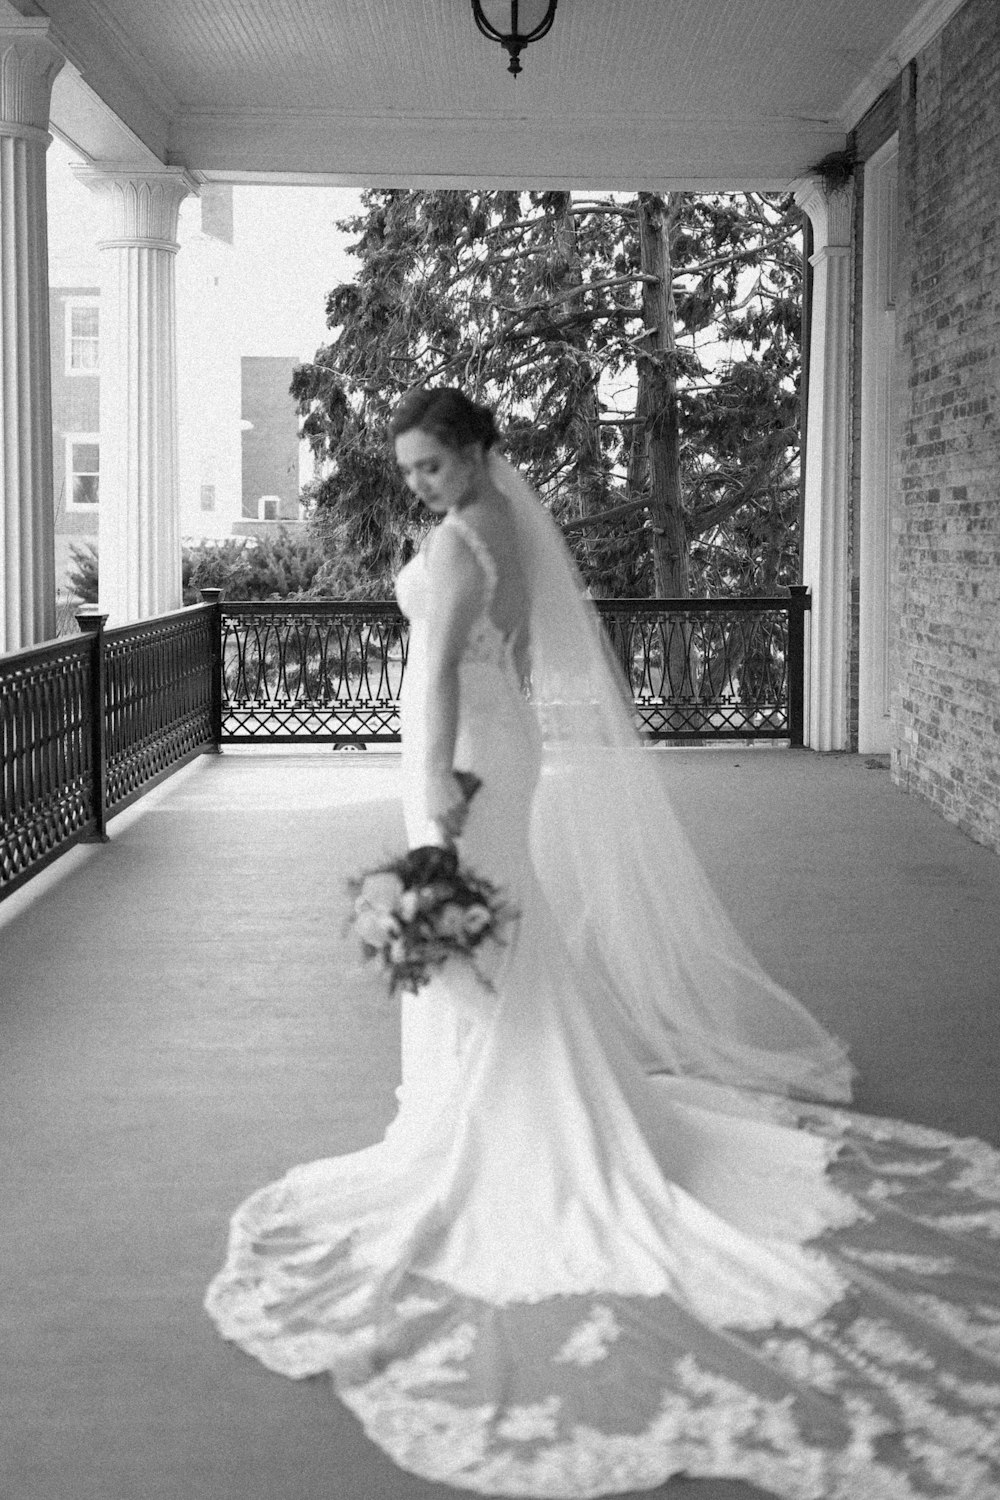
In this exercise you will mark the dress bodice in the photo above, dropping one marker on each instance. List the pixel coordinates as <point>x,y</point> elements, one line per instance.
<point>487,643</point>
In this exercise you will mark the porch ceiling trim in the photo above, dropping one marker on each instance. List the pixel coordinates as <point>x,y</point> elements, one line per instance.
<point>355,150</point>
<point>129,91</point>
<point>104,65</point>
<point>81,118</point>
<point>932,17</point>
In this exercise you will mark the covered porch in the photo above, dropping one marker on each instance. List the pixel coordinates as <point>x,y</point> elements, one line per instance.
<point>160,101</point>
<point>183,1016</point>
<point>185,1019</point>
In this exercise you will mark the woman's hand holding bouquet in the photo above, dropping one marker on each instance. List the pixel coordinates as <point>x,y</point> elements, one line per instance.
<point>416,912</point>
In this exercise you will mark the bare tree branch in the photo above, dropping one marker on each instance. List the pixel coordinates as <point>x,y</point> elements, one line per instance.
<point>604,517</point>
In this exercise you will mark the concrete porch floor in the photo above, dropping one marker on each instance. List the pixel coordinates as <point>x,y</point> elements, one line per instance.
<point>183,1019</point>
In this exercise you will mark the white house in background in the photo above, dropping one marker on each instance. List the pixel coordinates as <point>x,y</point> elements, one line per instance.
<point>240,463</point>
<point>74,313</point>
<point>272,453</point>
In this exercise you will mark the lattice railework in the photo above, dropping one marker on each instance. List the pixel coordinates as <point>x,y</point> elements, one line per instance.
<point>158,696</point>
<point>704,669</point>
<point>312,672</point>
<point>699,669</point>
<point>46,771</point>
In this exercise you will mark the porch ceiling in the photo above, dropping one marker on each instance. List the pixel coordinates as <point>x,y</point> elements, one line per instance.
<point>630,93</point>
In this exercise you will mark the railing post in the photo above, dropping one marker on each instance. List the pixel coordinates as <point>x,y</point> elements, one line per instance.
<point>797,606</point>
<point>214,597</point>
<point>92,623</point>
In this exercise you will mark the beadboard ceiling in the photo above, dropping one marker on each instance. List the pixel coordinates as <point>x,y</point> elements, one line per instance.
<point>622,93</point>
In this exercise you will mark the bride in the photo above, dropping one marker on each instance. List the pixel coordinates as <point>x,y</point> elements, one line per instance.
<point>620,1228</point>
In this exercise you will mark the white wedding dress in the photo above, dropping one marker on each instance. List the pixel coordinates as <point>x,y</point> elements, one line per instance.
<point>562,1273</point>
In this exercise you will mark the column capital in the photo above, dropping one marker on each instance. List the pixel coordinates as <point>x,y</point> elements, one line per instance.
<point>142,203</point>
<point>831,213</point>
<point>29,62</point>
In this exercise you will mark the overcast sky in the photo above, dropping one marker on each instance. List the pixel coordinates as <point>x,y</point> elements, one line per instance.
<point>290,252</point>
<point>287,253</point>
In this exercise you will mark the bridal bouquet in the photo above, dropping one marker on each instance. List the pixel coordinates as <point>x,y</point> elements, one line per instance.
<point>416,912</point>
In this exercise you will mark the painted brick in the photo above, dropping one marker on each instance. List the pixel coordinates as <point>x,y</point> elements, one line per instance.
<point>946,525</point>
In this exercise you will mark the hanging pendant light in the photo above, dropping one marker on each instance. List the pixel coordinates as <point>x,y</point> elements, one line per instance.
<point>492,16</point>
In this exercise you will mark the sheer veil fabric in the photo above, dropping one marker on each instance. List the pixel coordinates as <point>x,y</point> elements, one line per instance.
<point>618,869</point>
<point>620,1228</point>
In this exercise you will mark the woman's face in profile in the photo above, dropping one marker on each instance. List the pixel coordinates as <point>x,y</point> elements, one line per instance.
<point>439,476</point>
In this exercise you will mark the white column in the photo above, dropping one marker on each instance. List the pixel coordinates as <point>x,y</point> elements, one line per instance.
<point>29,63</point>
<point>824,543</point>
<point>879,448</point>
<point>139,515</point>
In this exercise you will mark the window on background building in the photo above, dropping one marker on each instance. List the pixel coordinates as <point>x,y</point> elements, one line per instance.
<point>82,336</point>
<point>83,471</point>
<point>269,505</point>
<point>208,497</point>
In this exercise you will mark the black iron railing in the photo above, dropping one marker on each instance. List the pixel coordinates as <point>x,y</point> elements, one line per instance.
<point>332,672</point>
<point>329,671</point>
<point>713,669</point>
<point>89,724</point>
<point>49,788</point>
<point>159,696</point>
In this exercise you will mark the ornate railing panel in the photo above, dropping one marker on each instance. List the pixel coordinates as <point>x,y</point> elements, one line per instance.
<point>46,765</point>
<point>88,724</point>
<point>328,672</point>
<point>699,669</point>
<point>158,698</point>
<point>704,669</point>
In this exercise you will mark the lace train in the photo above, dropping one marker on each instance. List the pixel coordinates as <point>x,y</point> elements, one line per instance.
<point>893,1393</point>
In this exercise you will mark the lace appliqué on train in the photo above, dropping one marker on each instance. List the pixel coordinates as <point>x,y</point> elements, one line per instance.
<point>844,1413</point>
<point>893,1394</point>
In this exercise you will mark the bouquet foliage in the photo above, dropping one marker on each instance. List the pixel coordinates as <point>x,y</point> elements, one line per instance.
<point>416,912</point>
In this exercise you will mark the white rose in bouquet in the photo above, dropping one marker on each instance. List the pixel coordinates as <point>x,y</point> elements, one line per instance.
<point>375,928</point>
<point>381,891</point>
<point>409,905</point>
<point>476,919</point>
<point>450,921</point>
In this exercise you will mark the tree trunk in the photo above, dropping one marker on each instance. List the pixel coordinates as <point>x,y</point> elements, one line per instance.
<point>656,405</point>
<point>590,469</point>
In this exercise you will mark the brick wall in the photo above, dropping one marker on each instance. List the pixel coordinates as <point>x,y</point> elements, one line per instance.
<point>946,529</point>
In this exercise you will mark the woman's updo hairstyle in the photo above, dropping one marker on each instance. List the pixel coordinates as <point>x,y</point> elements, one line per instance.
<point>446,413</point>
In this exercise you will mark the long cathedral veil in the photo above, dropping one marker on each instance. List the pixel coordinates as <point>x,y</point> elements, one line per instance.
<point>626,888</point>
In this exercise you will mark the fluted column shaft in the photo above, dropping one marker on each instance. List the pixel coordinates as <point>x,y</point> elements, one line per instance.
<point>29,63</point>
<point>827,475</point>
<point>140,573</point>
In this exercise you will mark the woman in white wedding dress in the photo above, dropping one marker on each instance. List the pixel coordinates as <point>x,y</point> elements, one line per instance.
<point>620,1228</point>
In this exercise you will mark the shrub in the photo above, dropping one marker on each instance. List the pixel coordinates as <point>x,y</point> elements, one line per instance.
<point>282,566</point>
<point>217,565</point>
<point>82,572</point>
<point>279,567</point>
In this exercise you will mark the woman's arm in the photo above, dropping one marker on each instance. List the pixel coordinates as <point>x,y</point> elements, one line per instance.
<point>456,583</point>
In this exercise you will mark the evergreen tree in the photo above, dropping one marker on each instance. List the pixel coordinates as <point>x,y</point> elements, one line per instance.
<point>603,329</point>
